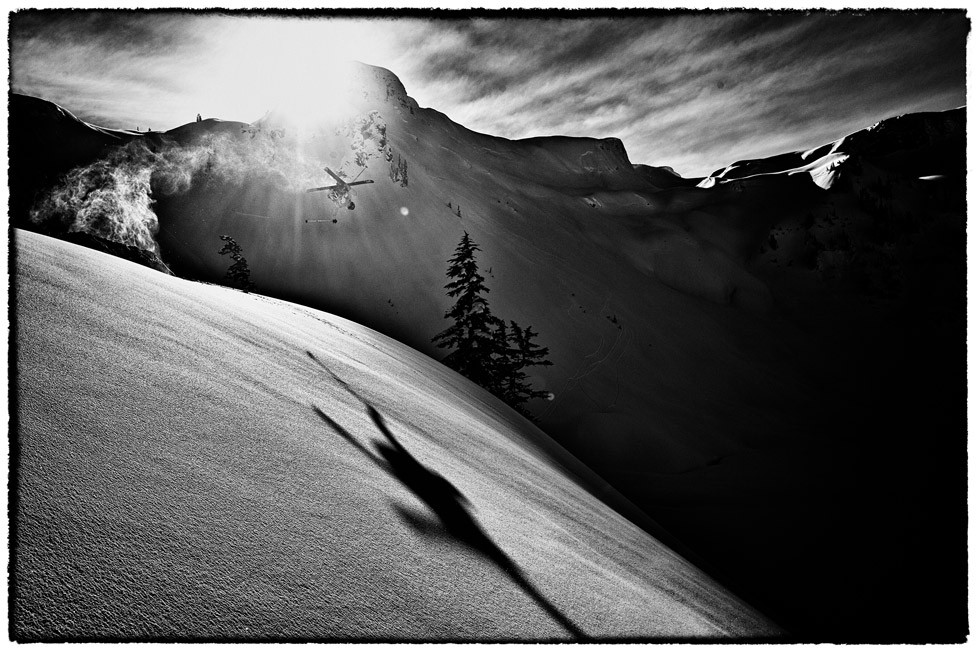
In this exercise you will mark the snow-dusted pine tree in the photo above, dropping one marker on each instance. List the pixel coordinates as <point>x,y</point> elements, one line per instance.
<point>238,274</point>
<point>471,337</point>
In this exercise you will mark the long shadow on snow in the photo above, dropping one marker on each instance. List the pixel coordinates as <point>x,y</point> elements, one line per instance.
<point>455,522</point>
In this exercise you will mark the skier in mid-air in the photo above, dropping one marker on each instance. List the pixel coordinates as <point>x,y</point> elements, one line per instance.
<point>340,193</point>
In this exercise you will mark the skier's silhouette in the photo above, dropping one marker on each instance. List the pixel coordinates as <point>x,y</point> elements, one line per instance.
<point>449,505</point>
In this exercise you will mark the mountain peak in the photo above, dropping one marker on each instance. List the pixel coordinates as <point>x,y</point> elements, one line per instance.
<point>381,79</point>
<point>351,88</point>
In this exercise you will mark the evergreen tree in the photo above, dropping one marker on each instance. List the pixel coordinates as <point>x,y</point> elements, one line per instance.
<point>483,348</point>
<point>471,338</point>
<point>522,352</point>
<point>238,274</point>
<point>502,361</point>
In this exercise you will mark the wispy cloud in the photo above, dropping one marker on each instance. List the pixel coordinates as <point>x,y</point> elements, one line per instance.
<point>118,68</point>
<point>697,91</point>
<point>691,90</point>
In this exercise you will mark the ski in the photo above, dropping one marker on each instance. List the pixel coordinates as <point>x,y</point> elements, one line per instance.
<point>353,183</point>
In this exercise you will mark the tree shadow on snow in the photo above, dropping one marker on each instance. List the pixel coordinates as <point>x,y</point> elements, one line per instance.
<point>453,521</point>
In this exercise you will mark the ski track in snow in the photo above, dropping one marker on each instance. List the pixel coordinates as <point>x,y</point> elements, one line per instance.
<point>624,338</point>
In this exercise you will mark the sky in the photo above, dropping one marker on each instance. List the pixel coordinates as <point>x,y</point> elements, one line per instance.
<point>693,91</point>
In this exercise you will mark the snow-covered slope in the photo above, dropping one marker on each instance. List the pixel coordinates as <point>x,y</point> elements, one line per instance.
<point>198,463</point>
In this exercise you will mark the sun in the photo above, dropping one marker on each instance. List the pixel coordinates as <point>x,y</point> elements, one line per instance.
<point>312,99</point>
<point>300,69</point>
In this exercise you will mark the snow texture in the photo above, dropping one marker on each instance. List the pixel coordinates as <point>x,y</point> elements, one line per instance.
<point>200,463</point>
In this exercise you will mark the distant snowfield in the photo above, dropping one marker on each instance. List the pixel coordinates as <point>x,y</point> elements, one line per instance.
<point>198,463</point>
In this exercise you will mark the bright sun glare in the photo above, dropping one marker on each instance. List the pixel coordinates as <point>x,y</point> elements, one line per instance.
<point>299,68</point>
